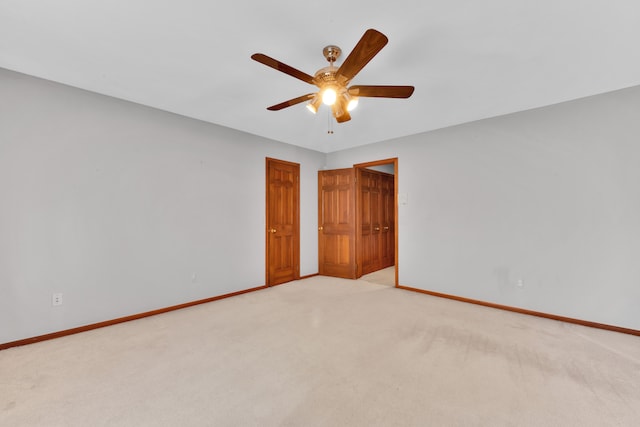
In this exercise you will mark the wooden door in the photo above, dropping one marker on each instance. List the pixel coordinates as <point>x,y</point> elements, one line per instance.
<point>336,223</point>
<point>283,222</point>
<point>370,204</point>
<point>387,223</point>
<point>376,220</point>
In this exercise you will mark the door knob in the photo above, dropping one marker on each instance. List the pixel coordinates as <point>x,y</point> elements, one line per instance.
<point>272,230</point>
<point>320,228</point>
<point>376,228</point>
<point>386,228</point>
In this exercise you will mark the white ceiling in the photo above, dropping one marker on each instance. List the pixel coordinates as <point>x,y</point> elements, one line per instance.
<point>468,59</point>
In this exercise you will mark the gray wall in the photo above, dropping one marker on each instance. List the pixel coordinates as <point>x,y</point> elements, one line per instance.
<point>118,206</point>
<point>549,197</point>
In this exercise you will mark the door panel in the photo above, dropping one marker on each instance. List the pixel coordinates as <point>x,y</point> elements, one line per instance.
<point>376,217</point>
<point>365,242</point>
<point>369,221</point>
<point>376,212</point>
<point>336,223</point>
<point>387,251</point>
<point>283,222</point>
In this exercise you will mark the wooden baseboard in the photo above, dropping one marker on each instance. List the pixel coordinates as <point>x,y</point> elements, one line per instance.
<point>79,329</point>
<point>309,276</point>
<point>122,319</point>
<point>525,311</point>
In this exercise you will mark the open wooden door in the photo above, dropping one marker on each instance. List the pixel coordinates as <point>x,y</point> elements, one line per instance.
<point>336,223</point>
<point>283,222</point>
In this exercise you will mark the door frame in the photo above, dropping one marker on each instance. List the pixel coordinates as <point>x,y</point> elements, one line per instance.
<point>357,166</point>
<point>267,253</point>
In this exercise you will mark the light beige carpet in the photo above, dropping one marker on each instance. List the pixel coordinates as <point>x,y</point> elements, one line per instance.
<point>386,276</point>
<point>327,352</point>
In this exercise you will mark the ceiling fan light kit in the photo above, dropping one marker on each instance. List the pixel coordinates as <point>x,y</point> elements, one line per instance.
<point>314,104</point>
<point>333,81</point>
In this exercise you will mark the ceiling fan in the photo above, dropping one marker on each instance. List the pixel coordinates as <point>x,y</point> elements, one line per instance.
<point>333,81</point>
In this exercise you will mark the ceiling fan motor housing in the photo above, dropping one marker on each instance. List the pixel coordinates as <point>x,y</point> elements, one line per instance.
<point>325,76</point>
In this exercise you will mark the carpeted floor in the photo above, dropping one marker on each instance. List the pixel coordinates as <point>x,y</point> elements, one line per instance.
<point>327,352</point>
<point>386,276</point>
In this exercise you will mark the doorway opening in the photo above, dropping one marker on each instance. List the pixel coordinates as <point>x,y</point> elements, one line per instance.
<point>377,221</point>
<point>358,221</point>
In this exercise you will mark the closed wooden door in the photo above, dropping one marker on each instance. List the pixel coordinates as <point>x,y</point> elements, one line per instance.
<point>283,222</point>
<point>336,223</point>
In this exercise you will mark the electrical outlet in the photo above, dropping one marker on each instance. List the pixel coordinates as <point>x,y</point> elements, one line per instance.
<point>56,299</point>
<point>520,283</point>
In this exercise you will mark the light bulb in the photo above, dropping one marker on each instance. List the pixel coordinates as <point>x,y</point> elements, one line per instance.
<point>329,96</point>
<point>353,103</point>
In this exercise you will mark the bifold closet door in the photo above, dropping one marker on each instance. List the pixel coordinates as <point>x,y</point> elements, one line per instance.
<point>376,220</point>
<point>387,233</point>
<point>370,220</point>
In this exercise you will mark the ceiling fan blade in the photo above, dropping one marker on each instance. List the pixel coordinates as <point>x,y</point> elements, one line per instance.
<point>369,45</point>
<point>382,91</point>
<point>291,102</point>
<point>277,65</point>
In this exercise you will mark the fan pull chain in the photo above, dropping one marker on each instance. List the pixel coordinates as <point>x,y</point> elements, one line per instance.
<point>329,123</point>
